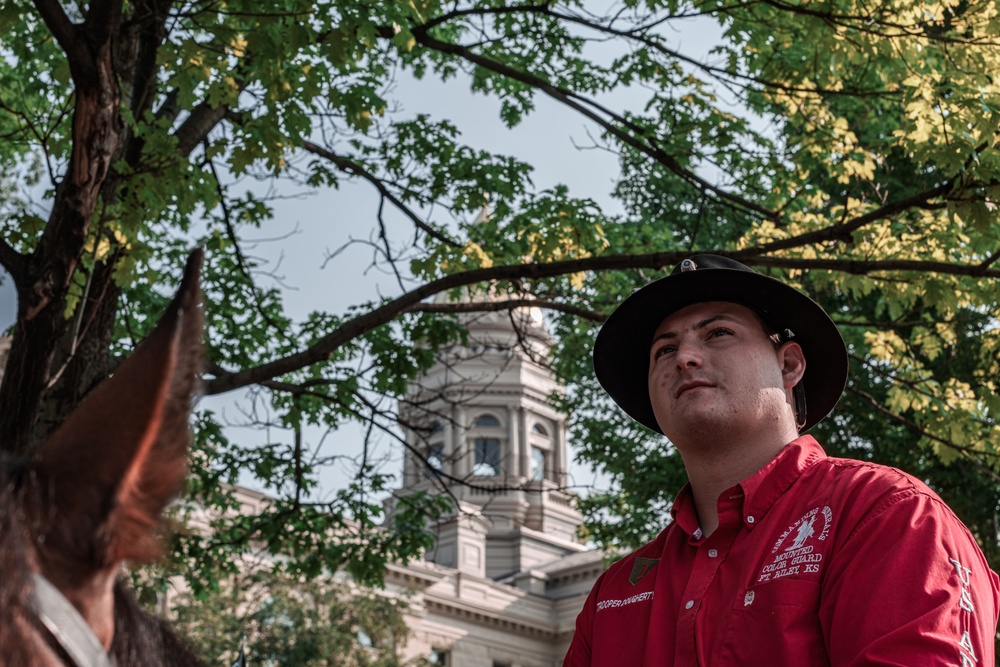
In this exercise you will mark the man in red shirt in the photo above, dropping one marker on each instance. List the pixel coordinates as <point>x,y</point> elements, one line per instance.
<point>778,555</point>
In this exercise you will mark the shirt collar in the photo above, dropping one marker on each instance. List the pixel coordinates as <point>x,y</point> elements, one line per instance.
<point>761,490</point>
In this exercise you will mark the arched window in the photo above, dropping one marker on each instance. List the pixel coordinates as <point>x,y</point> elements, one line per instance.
<point>435,460</point>
<point>486,421</point>
<point>487,457</point>
<point>541,443</point>
<point>488,442</point>
<point>537,464</point>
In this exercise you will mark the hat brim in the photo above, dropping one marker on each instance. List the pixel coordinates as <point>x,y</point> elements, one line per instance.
<point>621,351</point>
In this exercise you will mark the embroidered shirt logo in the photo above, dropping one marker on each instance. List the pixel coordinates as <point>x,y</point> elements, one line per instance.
<point>641,568</point>
<point>805,532</point>
<point>795,551</point>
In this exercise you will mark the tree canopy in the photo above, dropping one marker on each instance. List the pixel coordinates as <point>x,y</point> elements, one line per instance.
<point>849,149</point>
<point>284,622</point>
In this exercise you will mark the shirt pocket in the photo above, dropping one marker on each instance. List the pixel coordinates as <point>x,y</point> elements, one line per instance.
<point>776,623</point>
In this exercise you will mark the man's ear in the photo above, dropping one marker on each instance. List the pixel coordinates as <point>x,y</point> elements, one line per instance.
<point>793,363</point>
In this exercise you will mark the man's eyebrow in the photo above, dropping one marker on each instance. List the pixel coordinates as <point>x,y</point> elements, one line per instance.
<point>667,335</point>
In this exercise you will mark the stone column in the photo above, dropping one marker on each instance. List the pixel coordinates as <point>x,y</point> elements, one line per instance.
<point>448,444</point>
<point>525,443</point>
<point>513,465</point>
<point>560,453</point>
<point>410,464</point>
<point>459,446</point>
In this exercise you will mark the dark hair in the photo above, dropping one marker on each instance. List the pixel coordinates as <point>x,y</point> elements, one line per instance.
<point>777,336</point>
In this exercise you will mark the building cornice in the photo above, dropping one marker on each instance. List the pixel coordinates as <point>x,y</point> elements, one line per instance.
<point>479,616</point>
<point>413,578</point>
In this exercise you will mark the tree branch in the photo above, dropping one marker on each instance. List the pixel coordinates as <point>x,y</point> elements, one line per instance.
<point>508,304</point>
<point>80,60</point>
<point>351,167</point>
<point>863,22</point>
<point>843,231</point>
<point>14,262</point>
<point>102,18</point>
<point>862,267</point>
<point>241,262</point>
<point>324,347</point>
<point>639,35</point>
<point>592,110</point>
<point>966,452</point>
<point>988,262</point>
<point>195,128</point>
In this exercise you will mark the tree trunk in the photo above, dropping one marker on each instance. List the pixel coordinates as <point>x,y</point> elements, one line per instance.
<point>42,326</point>
<point>54,360</point>
<point>81,357</point>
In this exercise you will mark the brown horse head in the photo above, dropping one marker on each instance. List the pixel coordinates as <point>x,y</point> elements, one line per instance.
<point>92,498</point>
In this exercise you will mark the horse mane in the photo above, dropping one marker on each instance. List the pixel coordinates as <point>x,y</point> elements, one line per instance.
<point>140,638</point>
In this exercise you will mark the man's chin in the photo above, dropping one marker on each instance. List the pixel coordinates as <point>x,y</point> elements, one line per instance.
<point>699,422</point>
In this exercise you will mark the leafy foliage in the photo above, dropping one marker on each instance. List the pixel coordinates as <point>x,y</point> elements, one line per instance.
<point>284,622</point>
<point>849,149</point>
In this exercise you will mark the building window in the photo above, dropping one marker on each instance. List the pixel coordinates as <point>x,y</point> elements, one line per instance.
<point>439,657</point>
<point>539,430</point>
<point>435,460</point>
<point>487,463</point>
<point>428,429</point>
<point>487,421</point>
<point>537,464</point>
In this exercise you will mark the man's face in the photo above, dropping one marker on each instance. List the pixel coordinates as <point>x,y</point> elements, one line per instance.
<point>712,369</point>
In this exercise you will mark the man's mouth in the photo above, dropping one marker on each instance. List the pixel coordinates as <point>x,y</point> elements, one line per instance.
<point>692,384</point>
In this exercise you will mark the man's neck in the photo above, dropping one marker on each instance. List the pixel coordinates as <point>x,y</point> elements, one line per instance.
<point>713,469</point>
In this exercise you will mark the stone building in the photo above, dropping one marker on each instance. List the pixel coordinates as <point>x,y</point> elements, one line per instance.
<point>508,574</point>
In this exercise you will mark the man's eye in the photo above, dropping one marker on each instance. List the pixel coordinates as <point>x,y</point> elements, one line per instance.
<point>662,350</point>
<point>715,333</point>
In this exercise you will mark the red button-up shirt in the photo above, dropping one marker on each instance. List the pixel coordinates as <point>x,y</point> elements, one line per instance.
<point>816,561</point>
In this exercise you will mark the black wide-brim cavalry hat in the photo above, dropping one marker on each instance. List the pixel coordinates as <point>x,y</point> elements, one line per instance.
<point>621,352</point>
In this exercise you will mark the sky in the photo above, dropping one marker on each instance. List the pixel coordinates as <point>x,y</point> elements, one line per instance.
<point>318,224</point>
<point>321,223</point>
<point>547,139</point>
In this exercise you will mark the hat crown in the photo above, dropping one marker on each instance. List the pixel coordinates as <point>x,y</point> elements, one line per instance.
<point>702,262</point>
<point>621,351</point>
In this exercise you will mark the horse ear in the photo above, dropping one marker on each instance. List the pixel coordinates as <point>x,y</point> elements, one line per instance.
<point>112,467</point>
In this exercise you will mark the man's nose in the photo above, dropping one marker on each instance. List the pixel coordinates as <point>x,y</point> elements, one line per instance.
<point>688,356</point>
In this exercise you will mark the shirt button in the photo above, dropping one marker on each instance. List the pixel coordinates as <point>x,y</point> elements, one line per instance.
<point>689,604</point>
<point>750,519</point>
<point>712,553</point>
